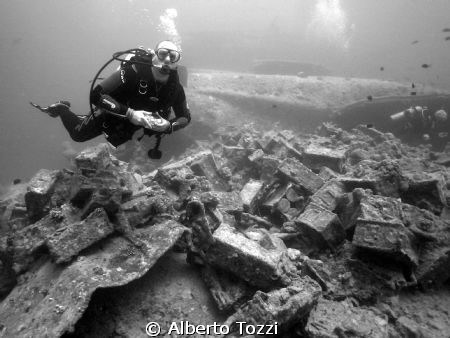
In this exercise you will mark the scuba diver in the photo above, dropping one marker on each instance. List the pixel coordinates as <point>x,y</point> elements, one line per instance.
<point>140,94</point>
<point>421,121</point>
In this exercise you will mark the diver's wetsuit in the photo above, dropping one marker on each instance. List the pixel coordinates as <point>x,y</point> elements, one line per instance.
<point>420,121</point>
<point>133,86</point>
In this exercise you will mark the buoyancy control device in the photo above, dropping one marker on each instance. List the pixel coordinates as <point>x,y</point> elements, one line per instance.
<point>138,56</point>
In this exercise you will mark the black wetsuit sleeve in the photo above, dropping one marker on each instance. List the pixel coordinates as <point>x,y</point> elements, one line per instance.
<point>104,93</point>
<point>181,110</point>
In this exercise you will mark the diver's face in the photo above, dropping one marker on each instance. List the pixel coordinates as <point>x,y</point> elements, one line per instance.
<point>164,66</point>
<point>166,57</point>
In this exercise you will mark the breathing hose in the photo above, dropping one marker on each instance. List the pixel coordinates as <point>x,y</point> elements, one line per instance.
<point>116,56</point>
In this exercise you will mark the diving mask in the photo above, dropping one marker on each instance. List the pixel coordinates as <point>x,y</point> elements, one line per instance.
<point>162,53</point>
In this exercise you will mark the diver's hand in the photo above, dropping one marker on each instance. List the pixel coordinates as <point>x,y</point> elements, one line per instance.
<point>159,124</point>
<point>147,120</point>
<point>138,117</point>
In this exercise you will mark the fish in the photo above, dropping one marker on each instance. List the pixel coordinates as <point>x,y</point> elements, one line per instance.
<point>447,38</point>
<point>426,65</point>
<point>413,85</point>
<point>413,93</point>
<point>381,68</point>
<point>446,30</point>
<point>414,42</point>
<point>369,97</point>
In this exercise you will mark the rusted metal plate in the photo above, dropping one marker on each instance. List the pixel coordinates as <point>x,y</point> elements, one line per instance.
<point>53,297</point>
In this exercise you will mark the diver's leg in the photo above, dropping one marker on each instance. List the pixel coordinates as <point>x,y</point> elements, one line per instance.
<point>81,128</point>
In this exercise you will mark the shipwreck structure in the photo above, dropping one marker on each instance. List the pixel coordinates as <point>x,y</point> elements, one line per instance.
<point>316,233</point>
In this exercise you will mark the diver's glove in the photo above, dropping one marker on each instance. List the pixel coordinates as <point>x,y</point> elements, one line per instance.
<point>147,120</point>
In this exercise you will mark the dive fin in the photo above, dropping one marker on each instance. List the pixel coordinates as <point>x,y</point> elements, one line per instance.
<point>43,109</point>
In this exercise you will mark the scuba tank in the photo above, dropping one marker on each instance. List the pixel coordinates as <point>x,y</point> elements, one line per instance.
<point>410,113</point>
<point>402,115</point>
<point>398,116</point>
